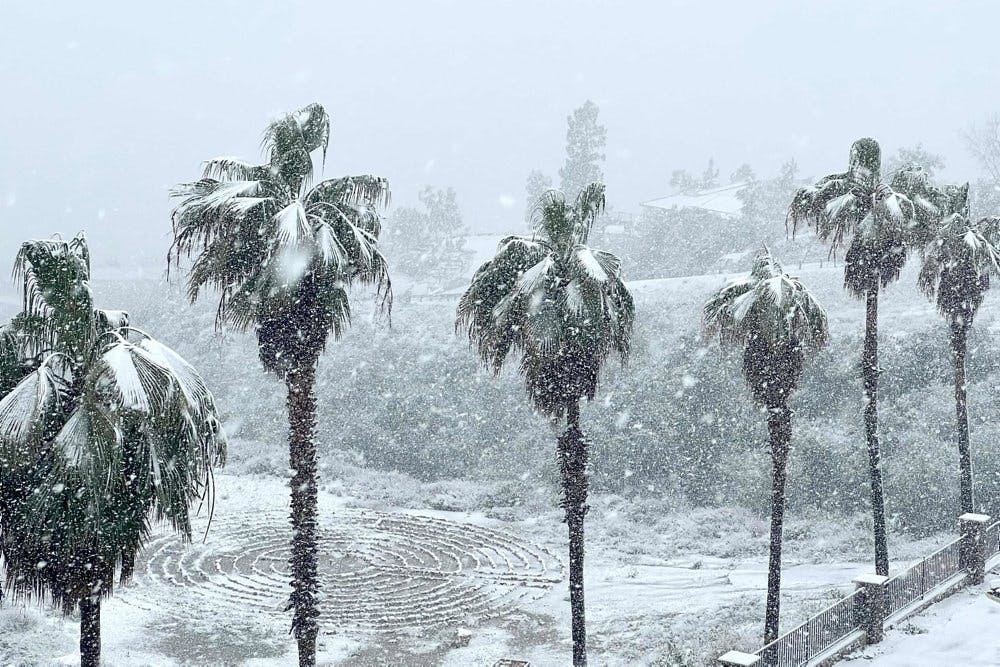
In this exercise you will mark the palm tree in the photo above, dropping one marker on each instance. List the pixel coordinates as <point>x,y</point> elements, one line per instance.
<point>102,430</point>
<point>564,308</point>
<point>857,209</point>
<point>777,322</point>
<point>958,260</point>
<point>282,256</point>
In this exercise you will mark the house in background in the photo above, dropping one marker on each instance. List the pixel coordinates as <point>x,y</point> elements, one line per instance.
<point>723,200</point>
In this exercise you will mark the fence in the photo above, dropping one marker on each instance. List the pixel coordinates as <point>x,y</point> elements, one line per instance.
<point>913,584</point>
<point>833,625</point>
<point>991,536</point>
<point>814,636</point>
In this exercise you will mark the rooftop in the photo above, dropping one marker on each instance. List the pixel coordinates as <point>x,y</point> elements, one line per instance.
<point>721,200</point>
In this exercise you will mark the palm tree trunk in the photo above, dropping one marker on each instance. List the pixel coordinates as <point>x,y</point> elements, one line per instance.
<point>573,465</point>
<point>959,338</point>
<point>779,426</point>
<point>302,459</point>
<point>870,372</point>
<point>90,631</point>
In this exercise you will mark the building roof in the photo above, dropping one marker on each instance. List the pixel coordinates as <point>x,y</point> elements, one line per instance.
<point>718,200</point>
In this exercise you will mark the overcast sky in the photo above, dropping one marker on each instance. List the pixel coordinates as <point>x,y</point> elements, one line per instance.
<point>103,109</point>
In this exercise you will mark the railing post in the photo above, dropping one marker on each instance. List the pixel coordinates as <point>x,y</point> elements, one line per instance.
<point>973,554</point>
<point>738,659</point>
<point>872,593</point>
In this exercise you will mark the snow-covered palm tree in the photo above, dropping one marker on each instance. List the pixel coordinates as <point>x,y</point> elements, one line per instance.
<point>857,209</point>
<point>958,260</point>
<point>102,430</point>
<point>564,308</point>
<point>777,323</point>
<point>282,255</point>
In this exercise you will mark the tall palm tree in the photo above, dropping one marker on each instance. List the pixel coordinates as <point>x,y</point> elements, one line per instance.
<point>958,260</point>
<point>859,210</point>
<point>282,256</point>
<point>777,322</point>
<point>564,308</point>
<point>102,430</point>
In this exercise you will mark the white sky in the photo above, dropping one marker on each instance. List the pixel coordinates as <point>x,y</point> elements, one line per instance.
<point>103,108</point>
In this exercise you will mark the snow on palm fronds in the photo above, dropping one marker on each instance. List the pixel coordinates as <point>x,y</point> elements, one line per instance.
<point>774,319</point>
<point>856,209</point>
<point>57,304</point>
<point>554,300</point>
<point>959,256</point>
<point>769,303</point>
<point>101,430</point>
<point>282,256</point>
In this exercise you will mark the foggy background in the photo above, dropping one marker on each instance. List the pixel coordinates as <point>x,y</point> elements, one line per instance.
<point>105,107</point>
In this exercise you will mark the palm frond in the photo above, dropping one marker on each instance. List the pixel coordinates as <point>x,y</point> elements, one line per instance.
<point>766,303</point>
<point>775,320</point>
<point>290,140</point>
<point>269,247</point>
<point>960,257</point>
<point>228,168</point>
<point>856,210</point>
<point>95,443</point>
<point>57,300</point>
<point>28,409</point>
<point>364,190</point>
<point>559,304</point>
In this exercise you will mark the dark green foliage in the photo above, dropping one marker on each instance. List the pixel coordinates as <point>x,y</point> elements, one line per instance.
<point>555,301</point>
<point>282,257</point>
<point>102,430</point>
<point>858,210</point>
<point>774,319</point>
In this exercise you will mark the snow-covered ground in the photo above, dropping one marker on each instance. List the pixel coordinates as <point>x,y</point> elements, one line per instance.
<point>963,629</point>
<point>693,590</point>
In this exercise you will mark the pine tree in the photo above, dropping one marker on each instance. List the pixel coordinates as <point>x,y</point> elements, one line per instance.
<point>585,142</point>
<point>429,244</point>
<point>537,184</point>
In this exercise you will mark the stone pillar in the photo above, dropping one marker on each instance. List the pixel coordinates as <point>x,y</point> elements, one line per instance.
<point>973,556</point>
<point>738,659</point>
<point>873,599</point>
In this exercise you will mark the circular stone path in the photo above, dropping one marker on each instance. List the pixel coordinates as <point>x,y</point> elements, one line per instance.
<point>378,571</point>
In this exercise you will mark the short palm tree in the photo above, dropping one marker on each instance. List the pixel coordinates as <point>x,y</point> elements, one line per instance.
<point>282,256</point>
<point>565,309</point>
<point>859,210</point>
<point>102,430</point>
<point>958,260</point>
<point>777,323</point>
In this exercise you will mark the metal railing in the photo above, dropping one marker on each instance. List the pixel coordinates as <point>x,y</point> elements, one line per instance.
<point>992,538</point>
<point>914,583</point>
<point>831,626</point>
<point>819,633</point>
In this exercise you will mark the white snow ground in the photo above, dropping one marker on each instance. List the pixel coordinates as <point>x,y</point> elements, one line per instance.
<point>700,582</point>
<point>963,629</point>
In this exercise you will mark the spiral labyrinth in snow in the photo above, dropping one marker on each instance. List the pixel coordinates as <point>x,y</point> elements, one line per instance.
<point>378,571</point>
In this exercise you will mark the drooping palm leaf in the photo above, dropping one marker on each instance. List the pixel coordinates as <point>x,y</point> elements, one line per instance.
<point>774,319</point>
<point>559,304</point>
<point>93,446</point>
<point>858,210</point>
<point>270,248</point>
<point>960,257</point>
